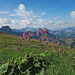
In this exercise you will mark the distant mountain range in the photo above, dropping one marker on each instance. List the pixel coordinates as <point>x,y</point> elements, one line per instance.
<point>67,32</point>
<point>8,30</point>
<point>25,29</point>
<point>65,36</point>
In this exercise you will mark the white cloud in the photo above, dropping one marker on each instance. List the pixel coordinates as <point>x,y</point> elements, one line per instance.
<point>12,15</point>
<point>38,23</point>
<point>60,22</point>
<point>27,18</point>
<point>4,21</point>
<point>42,14</point>
<point>22,12</point>
<point>72,14</point>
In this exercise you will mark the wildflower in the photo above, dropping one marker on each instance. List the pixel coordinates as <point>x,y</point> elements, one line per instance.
<point>39,39</point>
<point>41,45</point>
<point>29,33</point>
<point>46,43</point>
<point>53,47</point>
<point>37,33</point>
<point>35,45</point>
<point>46,49</point>
<point>16,49</point>
<point>74,57</point>
<point>46,31</point>
<point>69,50</point>
<point>24,41</point>
<point>41,30</point>
<point>20,40</point>
<point>44,39</point>
<point>55,41</point>
<point>32,34</point>
<point>24,33</point>
<point>58,46</point>
<point>28,38</point>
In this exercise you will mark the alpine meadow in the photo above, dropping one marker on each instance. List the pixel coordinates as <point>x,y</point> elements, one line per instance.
<point>37,37</point>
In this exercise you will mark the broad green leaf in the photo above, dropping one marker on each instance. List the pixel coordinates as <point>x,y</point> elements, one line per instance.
<point>23,60</point>
<point>37,64</point>
<point>42,72</point>
<point>4,68</point>
<point>28,72</point>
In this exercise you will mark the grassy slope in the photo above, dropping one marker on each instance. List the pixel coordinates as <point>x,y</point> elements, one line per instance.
<point>67,41</point>
<point>8,42</point>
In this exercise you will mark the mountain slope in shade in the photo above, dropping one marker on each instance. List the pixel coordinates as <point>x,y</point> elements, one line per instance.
<point>1,32</point>
<point>8,30</point>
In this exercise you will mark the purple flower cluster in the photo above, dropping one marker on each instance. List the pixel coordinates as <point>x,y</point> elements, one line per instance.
<point>24,41</point>
<point>16,49</point>
<point>27,37</point>
<point>38,33</point>
<point>41,44</point>
<point>24,35</point>
<point>44,33</point>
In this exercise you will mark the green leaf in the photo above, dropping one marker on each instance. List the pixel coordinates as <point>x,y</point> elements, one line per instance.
<point>24,60</point>
<point>42,72</point>
<point>4,68</point>
<point>42,54</point>
<point>37,64</point>
<point>28,72</point>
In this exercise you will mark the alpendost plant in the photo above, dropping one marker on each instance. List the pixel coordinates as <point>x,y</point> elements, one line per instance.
<point>43,32</point>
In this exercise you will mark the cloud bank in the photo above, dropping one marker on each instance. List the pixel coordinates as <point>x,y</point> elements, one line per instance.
<point>72,15</point>
<point>27,18</point>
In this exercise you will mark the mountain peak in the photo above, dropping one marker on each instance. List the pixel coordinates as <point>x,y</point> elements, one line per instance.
<point>5,27</point>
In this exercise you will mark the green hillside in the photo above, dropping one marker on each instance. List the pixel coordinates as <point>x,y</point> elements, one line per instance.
<point>67,41</point>
<point>34,57</point>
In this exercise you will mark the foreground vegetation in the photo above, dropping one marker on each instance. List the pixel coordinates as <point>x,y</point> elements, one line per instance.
<point>33,57</point>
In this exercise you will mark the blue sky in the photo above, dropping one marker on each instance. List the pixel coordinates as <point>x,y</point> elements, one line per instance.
<point>53,14</point>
